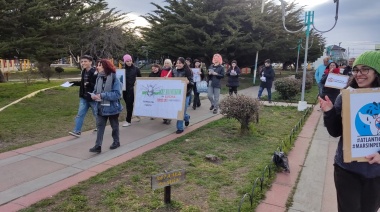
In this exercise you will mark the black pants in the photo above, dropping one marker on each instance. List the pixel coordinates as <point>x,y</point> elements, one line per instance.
<point>232,89</point>
<point>129,98</point>
<point>197,100</point>
<point>356,193</point>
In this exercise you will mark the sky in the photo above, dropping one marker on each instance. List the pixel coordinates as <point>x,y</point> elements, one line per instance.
<point>357,29</point>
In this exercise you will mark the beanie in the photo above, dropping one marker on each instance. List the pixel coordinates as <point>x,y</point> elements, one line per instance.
<point>127,57</point>
<point>217,58</point>
<point>370,58</point>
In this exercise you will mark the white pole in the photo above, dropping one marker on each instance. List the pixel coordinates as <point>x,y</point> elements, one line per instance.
<point>257,52</point>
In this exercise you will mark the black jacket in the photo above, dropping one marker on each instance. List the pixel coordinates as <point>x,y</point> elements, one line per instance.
<point>131,73</point>
<point>215,79</point>
<point>347,71</point>
<point>189,75</point>
<point>152,74</point>
<point>233,80</point>
<point>332,93</point>
<point>269,75</point>
<point>88,85</point>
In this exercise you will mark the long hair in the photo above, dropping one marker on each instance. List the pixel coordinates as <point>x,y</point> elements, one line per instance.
<point>108,66</point>
<point>185,66</point>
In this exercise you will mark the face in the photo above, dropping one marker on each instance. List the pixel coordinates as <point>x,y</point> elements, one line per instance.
<point>188,62</point>
<point>325,62</point>
<point>85,63</point>
<point>167,64</point>
<point>267,64</point>
<point>154,69</point>
<point>364,76</point>
<point>332,65</point>
<point>197,64</point>
<point>100,68</point>
<point>233,64</point>
<point>351,62</point>
<point>179,65</point>
<point>128,62</point>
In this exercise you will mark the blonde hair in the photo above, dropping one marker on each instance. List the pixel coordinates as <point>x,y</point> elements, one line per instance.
<point>168,61</point>
<point>217,58</point>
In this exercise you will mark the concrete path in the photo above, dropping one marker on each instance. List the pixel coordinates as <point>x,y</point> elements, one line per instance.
<point>33,173</point>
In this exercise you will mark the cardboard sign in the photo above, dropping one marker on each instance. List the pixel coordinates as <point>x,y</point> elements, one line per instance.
<point>336,81</point>
<point>361,123</point>
<point>196,74</point>
<point>160,97</point>
<point>168,178</point>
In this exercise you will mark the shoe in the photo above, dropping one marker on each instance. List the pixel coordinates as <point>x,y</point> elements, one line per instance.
<point>76,134</point>
<point>138,118</point>
<point>215,111</point>
<point>126,124</point>
<point>115,145</point>
<point>151,118</point>
<point>165,121</point>
<point>199,105</point>
<point>187,123</point>
<point>96,129</point>
<point>97,149</point>
<point>168,121</point>
<point>179,131</point>
<point>194,107</point>
<point>212,107</point>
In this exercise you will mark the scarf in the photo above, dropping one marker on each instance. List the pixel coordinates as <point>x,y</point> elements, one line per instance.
<point>104,86</point>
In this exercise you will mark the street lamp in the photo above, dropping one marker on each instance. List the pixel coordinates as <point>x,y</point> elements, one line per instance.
<point>309,20</point>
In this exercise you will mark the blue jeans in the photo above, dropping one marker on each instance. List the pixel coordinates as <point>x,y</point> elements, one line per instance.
<point>186,116</point>
<point>269,90</point>
<point>84,105</point>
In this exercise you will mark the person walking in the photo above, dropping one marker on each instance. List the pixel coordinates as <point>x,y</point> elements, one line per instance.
<point>357,183</point>
<point>198,76</point>
<point>319,73</point>
<point>332,93</point>
<point>215,74</point>
<point>131,72</point>
<point>107,94</point>
<point>86,85</point>
<point>233,78</point>
<point>183,70</point>
<point>267,77</point>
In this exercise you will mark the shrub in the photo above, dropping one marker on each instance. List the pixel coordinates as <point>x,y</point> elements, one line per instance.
<point>287,87</point>
<point>243,108</point>
<point>59,70</point>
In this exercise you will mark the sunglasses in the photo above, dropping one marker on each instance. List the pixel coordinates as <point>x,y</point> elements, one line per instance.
<point>362,70</point>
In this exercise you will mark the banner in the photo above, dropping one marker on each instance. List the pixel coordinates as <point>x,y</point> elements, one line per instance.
<point>160,97</point>
<point>361,123</point>
<point>336,81</point>
<point>120,73</point>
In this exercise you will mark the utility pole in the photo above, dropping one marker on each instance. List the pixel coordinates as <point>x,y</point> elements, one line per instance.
<point>257,52</point>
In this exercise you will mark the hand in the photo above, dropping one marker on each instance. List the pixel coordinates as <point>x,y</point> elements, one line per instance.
<point>214,73</point>
<point>373,158</point>
<point>96,97</point>
<point>325,104</point>
<point>187,81</point>
<point>331,70</point>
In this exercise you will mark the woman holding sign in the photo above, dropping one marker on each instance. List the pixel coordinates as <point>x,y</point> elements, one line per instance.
<point>357,183</point>
<point>332,93</point>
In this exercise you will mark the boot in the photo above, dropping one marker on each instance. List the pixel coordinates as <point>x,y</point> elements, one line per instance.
<point>115,145</point>
<point>97,149</point>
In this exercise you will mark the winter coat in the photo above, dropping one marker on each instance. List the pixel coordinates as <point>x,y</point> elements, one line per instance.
<point>165,71</point>
<point>233,80</point>
<point>189,75</point>
<point>86,86</point>
<point>112,96</point>
<point>332,93</point>
<point>215,79</point>
<point>269,75</point>
<point>333,123</point>
<point>152,74</point>
<point>131,72</point>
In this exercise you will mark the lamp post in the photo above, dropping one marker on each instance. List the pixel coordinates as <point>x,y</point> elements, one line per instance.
<point>309,20</point>
<point>298,53</point>
<point>257,52</point>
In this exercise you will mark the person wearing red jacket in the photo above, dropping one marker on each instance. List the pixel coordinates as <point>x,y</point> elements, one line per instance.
<point>332,93</point>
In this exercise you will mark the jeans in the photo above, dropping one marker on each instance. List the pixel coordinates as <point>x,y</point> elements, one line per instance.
<point>101,124</point>
<point>213,95</point>
<point>186,116</point>
<point>269,90</point>
<point>82,111</point>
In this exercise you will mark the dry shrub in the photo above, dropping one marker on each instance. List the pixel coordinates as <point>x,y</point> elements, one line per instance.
<point>243,108</point>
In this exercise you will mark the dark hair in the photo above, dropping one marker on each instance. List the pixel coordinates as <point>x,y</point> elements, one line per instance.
<point>108,66</point>
<point>267,61</point>
<point>183,61</point>
<point>328,65</point>
<point>376,83</point>
<point>88,57</point>
<point>156,66</point>
<point>234,61</point>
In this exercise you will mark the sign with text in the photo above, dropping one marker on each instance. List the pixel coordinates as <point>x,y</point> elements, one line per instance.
<point>168,178</point>
<point>160,97</point>
<point>196,74</point>
<point>336,81</point>
<point>361,123</point>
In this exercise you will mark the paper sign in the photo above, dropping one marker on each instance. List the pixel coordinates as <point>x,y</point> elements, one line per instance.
<point>67,84</point>
<point>361,123</point>
<point>336,81</point>
<point>120,74</point>
<point>196,74</point>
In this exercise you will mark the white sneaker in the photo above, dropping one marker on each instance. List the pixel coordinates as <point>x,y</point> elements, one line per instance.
<point>126,124</point>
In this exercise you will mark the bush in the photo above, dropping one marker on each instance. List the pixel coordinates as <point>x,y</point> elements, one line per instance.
<point>59,70</point>
<point>287,87</point>
<point>243,108</point>
<point>309,79</point>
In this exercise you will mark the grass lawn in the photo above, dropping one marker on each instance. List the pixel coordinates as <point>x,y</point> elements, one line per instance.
<point>209,186</point>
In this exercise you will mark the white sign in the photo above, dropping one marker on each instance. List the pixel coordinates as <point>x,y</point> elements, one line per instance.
<point>196,74</point>
<point>120,74</point>
<point>361,123</point>
<point>67,84</point>
<point>336,81</point>
<point>160,97</point>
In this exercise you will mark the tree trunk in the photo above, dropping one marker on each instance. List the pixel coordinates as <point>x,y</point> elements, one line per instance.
<point>244,125</point>
<point>2,78</point>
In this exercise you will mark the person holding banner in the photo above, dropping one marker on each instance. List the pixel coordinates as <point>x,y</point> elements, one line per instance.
<point>166,72</point>
<point>233,78</point>
<point>107,94</point>
<point>357,183</point>
<point>215,74</point>
<point>332,93</point>
<point>183,70</point>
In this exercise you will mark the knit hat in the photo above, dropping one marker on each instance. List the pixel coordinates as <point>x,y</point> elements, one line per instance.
<point>370,58</point>
<point>217,58</point>
<point>127,57</point>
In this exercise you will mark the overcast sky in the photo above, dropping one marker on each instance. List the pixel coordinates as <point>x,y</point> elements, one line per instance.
<point>358,27</point>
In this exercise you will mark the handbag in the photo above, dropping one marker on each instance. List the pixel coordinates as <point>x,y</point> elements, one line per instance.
<point>202,87</point>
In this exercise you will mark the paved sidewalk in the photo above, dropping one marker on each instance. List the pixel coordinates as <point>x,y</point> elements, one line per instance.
<point>33,173</point>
